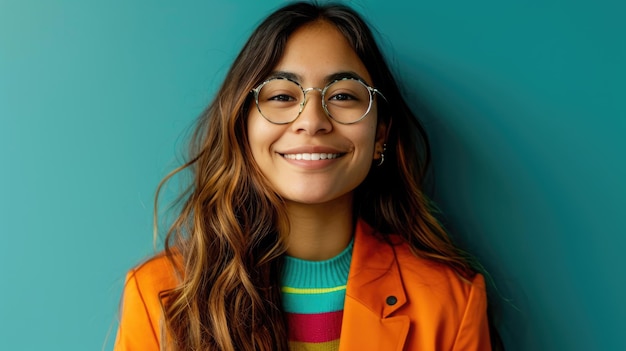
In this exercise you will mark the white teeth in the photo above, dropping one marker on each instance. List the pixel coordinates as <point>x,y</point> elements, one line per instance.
<point>311,156</point>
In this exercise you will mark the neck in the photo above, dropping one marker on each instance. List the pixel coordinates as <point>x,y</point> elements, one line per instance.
<point>321,231</point>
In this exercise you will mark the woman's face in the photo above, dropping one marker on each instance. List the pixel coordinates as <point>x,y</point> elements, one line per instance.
<point>291,156</point>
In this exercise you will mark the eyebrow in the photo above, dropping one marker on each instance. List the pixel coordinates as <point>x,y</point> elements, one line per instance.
<point>329,78</point>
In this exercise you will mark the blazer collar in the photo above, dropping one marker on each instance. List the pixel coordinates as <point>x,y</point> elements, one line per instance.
<point>374,292</point>
<point>374,278</point>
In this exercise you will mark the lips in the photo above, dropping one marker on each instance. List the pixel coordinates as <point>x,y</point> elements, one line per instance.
<point>314,156</point>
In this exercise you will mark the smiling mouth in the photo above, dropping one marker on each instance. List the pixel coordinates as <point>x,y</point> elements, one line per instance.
<point>311,156</point>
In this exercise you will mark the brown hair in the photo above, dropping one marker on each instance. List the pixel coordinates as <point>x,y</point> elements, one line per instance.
<point>229,236</point>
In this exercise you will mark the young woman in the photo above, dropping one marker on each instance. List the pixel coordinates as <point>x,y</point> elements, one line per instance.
<point>305,226</point>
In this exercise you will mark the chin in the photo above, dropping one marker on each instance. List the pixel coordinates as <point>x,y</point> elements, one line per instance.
<point>319,199</point>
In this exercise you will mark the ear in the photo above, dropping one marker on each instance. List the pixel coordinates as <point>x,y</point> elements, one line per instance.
<point>381,139</point>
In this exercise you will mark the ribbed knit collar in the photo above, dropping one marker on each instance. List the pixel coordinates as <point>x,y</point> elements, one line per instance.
<point>333,272</point>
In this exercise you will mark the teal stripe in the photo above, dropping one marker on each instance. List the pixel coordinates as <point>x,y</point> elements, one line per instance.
<point>330,273</point>
<point>300,278</point>
<point>316,303</point>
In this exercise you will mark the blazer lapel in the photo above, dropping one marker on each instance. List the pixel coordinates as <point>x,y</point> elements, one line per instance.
<point>374,292</point>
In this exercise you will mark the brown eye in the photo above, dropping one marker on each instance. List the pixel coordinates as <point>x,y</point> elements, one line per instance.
<point>342,97</point>
<point>282,97</point>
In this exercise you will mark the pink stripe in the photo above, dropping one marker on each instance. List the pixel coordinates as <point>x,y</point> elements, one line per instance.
<point>320,327</point>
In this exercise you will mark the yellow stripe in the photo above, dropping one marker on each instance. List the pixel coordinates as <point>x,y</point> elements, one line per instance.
<point>290,290</point>
<point>310,346</point>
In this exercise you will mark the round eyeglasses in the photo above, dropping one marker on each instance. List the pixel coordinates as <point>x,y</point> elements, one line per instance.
<point>281,100</point>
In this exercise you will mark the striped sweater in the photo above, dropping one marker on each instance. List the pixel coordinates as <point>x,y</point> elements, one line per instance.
<point>313,296</point>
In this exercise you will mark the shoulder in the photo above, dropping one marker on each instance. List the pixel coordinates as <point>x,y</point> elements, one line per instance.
<point>437,283</point>
<point>141,311</point>
<point>156,274</point>
<point>423,272</point>
<point>149,280</point>
<point>423,275</point>
<point>393,254</point>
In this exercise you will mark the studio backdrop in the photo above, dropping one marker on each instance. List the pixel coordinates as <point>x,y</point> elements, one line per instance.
<point>524,102</point>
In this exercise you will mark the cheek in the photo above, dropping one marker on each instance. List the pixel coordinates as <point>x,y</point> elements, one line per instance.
<point>261,136</point>
<point>368,139</point>
<point>255,125</point>
<point>255,138</point>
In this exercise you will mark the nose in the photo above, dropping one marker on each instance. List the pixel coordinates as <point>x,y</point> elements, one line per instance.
<point>313,118</point>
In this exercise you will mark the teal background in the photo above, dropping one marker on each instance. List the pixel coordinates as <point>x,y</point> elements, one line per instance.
<point>524,101</point>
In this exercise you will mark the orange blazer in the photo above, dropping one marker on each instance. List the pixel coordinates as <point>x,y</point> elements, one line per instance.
<point>394,301</point>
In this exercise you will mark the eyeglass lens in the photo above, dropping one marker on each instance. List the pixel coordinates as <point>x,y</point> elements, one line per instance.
<point>346,101</point>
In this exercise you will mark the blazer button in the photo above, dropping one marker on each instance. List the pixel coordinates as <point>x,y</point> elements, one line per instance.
<point>391,300</point>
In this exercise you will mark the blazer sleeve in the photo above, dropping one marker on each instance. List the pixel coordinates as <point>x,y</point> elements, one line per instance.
<point>473,333</point>
<point>137,330</point>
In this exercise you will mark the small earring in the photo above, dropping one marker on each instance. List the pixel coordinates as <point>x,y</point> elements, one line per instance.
<point>382,156</point>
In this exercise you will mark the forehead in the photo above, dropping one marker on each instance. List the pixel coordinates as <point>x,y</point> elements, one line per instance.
<point>317,51</point>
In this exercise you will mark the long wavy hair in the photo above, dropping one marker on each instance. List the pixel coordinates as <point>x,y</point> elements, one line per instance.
<point>228,240</point>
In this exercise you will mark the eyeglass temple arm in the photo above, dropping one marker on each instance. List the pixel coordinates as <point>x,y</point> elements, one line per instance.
<point>379,93</point>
